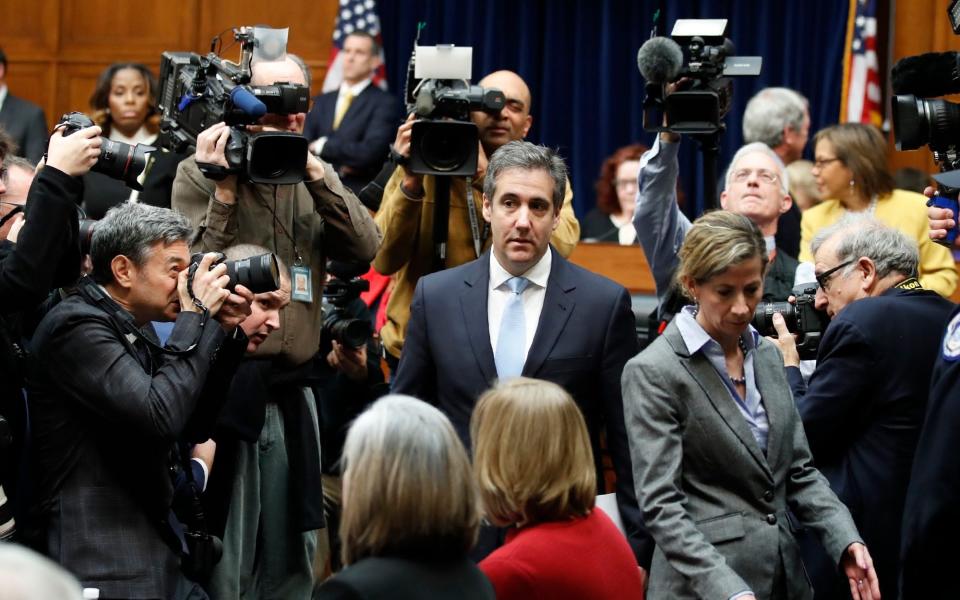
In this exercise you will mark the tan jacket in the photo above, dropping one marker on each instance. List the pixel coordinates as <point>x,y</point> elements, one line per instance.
<point>407,247</point>
<point>325,219</point>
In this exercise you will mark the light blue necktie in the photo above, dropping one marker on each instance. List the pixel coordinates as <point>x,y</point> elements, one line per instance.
<point>512,340</point>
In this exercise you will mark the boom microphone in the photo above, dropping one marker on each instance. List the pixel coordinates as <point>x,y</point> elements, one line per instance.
<point>927,75</point>
<point>660,60</point>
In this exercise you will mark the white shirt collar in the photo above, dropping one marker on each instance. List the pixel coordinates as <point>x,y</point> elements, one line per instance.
<point>771,243</point>
<point>142,136</point>
<point>538,274</point>
<point>355,89</point>
<point>3,94</point>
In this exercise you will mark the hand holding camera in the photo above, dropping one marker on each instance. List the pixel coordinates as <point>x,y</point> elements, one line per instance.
<point>208,285</point>
<point>786,341</point>
<point>74,154</point>
<point>352,362</point>
<point>211,144</point>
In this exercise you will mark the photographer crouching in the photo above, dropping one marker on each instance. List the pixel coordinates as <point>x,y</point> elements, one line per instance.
<point>864,407</point>
<point>108,403</point>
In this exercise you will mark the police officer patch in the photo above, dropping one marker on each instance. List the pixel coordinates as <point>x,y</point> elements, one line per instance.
<point>951,339</point>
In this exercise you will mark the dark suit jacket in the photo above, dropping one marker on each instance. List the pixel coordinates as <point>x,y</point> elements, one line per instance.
<point>388,578</point>
<point>585,335</point>
<point>864,407</point>
<point>715,503</point>
<point>105,414</point>
<point>101,192</point>
<point>362,141</point>
<point>25,123</point>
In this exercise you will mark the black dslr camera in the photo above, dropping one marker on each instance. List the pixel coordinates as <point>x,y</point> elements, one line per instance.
<point>344,287</point>
<point>444,141</point>
<point>198,91</point>
<point>259,274</point>
<point>117,159</point>
<point>699,52</point>
<point>801,318</point>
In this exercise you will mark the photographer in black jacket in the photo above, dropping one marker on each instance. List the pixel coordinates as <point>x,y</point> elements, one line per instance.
<point>46,256</point>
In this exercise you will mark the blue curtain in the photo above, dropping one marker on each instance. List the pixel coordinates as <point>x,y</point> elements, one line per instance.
<point>579,59</point>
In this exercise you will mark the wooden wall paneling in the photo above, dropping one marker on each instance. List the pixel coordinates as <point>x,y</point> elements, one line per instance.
<point>110,31</point>
<point>29,29</point>
<point>36,81</point>
<point>75,85</point>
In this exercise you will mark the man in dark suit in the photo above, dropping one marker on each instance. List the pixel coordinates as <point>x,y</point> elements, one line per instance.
<point>864,406</point>
<point>522,309</point>
<point>23,120</point>
<point>352,128</point>
<point>107,403</point>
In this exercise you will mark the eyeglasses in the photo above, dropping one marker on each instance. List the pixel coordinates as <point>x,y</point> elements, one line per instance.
<point>623,184</point>
<point>742,175</point>
<point>823,279</point>
<point>822,162</point>
<point>4,174</point>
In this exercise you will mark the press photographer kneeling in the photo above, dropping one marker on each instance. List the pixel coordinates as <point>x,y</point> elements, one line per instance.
<point>108,403</point>
<point>865,402</point>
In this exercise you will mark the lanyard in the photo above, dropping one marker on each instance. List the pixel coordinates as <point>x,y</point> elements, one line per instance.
<point>478,239</point>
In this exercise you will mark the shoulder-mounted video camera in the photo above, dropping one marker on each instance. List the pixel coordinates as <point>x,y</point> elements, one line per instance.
<point>444,141</point>
<point>197,91</point>
<point>698,52</point>
<point>919,120</point>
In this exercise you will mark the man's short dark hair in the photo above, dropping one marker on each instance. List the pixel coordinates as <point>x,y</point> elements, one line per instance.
<point>131,229</point>
<point>374,44</point>
<point>527,156</point>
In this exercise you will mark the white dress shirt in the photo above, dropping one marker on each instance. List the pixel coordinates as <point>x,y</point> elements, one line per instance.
<point>498,293</point>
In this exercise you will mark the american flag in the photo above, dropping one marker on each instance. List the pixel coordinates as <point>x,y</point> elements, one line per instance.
<point>861,100</point>
<point>354,15</point>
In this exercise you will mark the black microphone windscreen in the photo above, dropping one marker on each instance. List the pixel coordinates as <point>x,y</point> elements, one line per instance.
<point>927,75</point>
<point>660,60</point>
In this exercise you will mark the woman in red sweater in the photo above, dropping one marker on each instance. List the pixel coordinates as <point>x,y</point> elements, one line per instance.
<point>535,471</point>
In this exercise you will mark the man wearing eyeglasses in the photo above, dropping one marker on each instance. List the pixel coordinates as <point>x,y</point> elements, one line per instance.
<point>865,403</point>
<point>756,187</point>
<point>17,175</point>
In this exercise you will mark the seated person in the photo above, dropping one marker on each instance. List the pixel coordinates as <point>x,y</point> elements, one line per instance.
<point>409,509</point>
<point>534,469</point>
<point>612,219</point>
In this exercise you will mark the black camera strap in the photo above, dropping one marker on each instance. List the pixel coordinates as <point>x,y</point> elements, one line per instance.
<point>123,320</point>
<point>478,239</point>
<point>283,228</point>
<point>909,284</point>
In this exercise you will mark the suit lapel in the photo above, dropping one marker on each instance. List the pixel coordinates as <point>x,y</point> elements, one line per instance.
<point>473,306</point>
<point>356,107</point>
<point>770,391</point>
<point>328,107</point>
<point>706,376</point>
<point>558,305</point>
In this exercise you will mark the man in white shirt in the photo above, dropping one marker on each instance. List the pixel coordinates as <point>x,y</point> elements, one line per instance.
<point>352,128</point>
<point>522,309</point>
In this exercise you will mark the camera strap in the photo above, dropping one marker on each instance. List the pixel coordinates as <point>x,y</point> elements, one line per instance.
<point>478,239</point>
<point>123,320</point>
<point>909,284</point>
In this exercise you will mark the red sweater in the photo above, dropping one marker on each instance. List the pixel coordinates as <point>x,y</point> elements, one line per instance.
<point>584,558</point>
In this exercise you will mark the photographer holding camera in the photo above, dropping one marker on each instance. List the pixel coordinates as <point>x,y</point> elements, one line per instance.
<point>406,214</point>
<point>303,224</point>
<point>108,403</point>
<point>865,403</point>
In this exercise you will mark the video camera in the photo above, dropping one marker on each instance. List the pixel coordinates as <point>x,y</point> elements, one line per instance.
<point>919,120</point>
<point>343,288</point>
<point>698,51</point>
<point>198,91</point>
<point>801,318</point>
<point>117,160</point>
<point>444,141</point>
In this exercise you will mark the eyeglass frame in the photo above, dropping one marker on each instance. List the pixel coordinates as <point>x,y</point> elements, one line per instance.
<point>823,279</point>
<point>819,164</point>
<point>761,174</point>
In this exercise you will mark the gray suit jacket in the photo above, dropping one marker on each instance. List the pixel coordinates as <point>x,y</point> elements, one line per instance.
<point>714,503</point>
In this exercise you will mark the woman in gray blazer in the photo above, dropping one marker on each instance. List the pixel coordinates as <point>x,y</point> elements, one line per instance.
<point>718,450</point>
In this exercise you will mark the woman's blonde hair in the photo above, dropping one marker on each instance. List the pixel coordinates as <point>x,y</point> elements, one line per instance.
<point>717,241</point>
<point>863,150</point>
<point>406,484</point>
<point>531,454</point>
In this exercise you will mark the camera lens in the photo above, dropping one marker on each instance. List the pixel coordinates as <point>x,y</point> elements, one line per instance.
<point>124,162</point>
<point>919,121</point>
<point>259,274</point>
<point>352,333</point>
<point>277,157</point>
<point>444,147</point>
<point>763,317</point>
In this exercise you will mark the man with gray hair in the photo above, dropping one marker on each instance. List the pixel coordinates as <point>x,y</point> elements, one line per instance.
<point>865,403</point>
<point>522,309</point>
<point>780,118</point>
<point>756,187</point>
<point>107,402</point>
